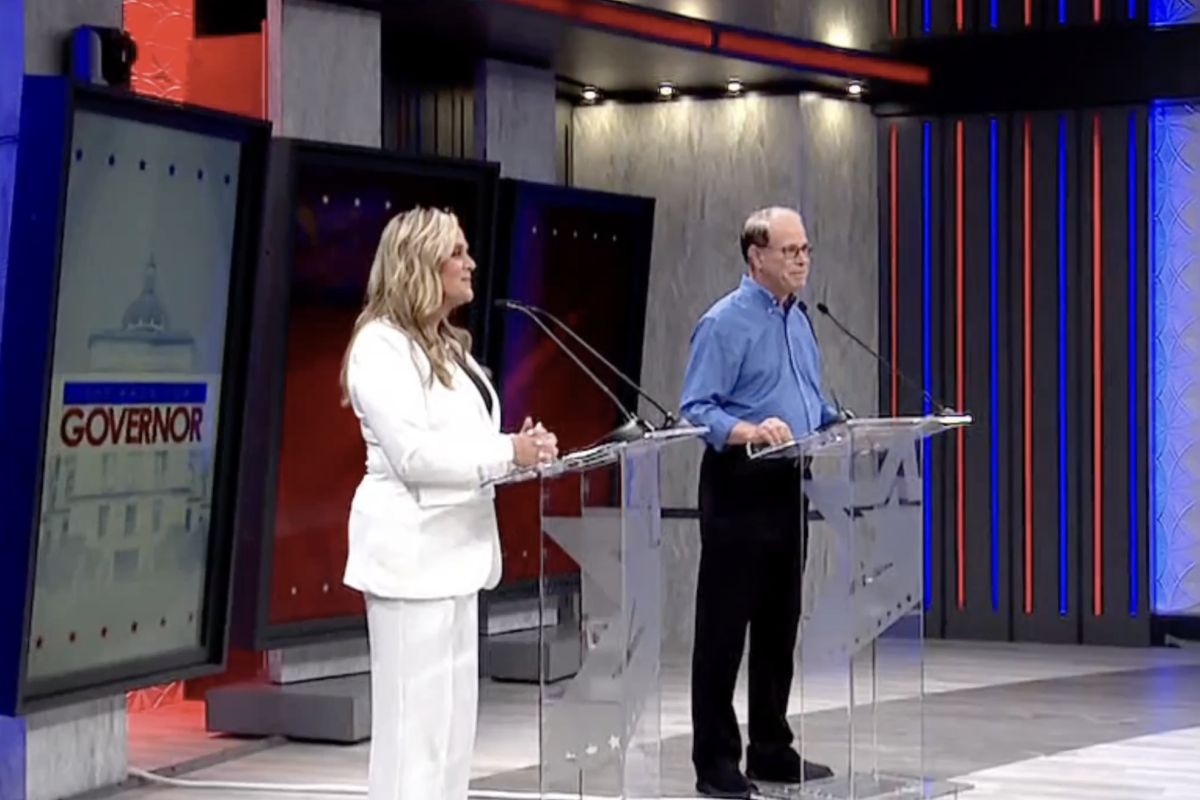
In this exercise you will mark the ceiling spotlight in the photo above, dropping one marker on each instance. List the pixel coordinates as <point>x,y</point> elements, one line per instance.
<point>666,90</point>
<point>855,89</point>
<point>590,94</point>
<point>734,86</point>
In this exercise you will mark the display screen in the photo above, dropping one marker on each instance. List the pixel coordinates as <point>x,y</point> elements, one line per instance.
<point>340,211</point>
<point>584,257</point>
<point>135,387</point>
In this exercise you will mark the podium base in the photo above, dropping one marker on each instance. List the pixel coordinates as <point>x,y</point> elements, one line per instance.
<point>513,657</point>
<point>326,710</point>
<point>865,786</point>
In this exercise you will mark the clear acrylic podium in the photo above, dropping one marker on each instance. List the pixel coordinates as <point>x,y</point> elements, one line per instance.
<point>600,730</point>
<point>859,670</point>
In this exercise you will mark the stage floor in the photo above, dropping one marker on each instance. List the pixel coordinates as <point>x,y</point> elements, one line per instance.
<point>1014,721</point>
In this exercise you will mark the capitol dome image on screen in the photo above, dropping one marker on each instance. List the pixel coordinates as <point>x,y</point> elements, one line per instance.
<point>134,510</point>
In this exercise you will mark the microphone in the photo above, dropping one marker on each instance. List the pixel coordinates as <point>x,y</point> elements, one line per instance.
<point>669,419</point>
<point>634,427</point>
<point>842,413</point>
<point>941,408</point>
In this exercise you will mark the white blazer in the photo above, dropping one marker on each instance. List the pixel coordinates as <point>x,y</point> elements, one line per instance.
<point>421,527</point>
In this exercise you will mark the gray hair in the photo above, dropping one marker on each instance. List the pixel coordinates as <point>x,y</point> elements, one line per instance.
<point>757,228</point>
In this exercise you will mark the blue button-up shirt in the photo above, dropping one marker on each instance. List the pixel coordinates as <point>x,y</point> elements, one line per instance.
<point>751,359</point>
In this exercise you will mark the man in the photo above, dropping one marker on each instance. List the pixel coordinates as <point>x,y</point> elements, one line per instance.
<point>753,376</point>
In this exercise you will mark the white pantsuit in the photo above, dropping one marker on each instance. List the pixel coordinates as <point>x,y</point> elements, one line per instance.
<point>424,694</point>
<point>423,543</point>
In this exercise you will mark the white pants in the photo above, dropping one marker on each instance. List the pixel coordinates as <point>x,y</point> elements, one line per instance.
<point>424,697</point>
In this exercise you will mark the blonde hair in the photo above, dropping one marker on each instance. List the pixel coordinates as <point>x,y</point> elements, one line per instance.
<point>405,289</point>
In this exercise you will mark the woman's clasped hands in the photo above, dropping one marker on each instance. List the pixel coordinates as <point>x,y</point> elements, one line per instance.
<point>534,445</point>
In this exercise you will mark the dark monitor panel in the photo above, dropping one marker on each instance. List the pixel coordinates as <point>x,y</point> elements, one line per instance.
<point>328,206</point>
<point>584,256</point>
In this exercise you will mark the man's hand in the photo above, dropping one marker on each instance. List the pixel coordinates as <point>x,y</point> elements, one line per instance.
<point>772,431</point>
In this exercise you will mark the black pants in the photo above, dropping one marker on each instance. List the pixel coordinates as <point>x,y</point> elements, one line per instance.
<point>751,559</point>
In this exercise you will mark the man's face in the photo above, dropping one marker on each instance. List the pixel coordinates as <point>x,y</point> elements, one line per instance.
<point>782,266</point>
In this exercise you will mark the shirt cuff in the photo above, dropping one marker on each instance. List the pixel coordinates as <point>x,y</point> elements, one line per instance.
<point>719,429</point>
<point>828,414</point>
<point>498,458</point>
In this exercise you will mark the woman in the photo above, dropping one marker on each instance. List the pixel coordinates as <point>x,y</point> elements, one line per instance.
<point>423,536</point>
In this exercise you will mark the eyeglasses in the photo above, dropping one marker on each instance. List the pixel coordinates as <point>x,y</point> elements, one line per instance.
<point>792,252</point>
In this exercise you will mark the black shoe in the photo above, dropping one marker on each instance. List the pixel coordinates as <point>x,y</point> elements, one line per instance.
<point>724,780</point>
<point>783,765</point>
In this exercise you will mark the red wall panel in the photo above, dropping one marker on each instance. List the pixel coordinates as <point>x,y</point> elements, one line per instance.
<point>225,73</point>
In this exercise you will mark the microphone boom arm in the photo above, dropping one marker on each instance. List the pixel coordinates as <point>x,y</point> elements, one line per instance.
<point>942,408</point>
<point>669,419</point>
<point>633,423</point>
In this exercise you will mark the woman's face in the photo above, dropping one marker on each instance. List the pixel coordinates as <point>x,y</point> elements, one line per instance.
<point>456,273</point>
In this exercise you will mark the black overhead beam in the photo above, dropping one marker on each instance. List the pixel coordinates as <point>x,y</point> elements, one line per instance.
<point>1092,66</point>
<point>625,49</point>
